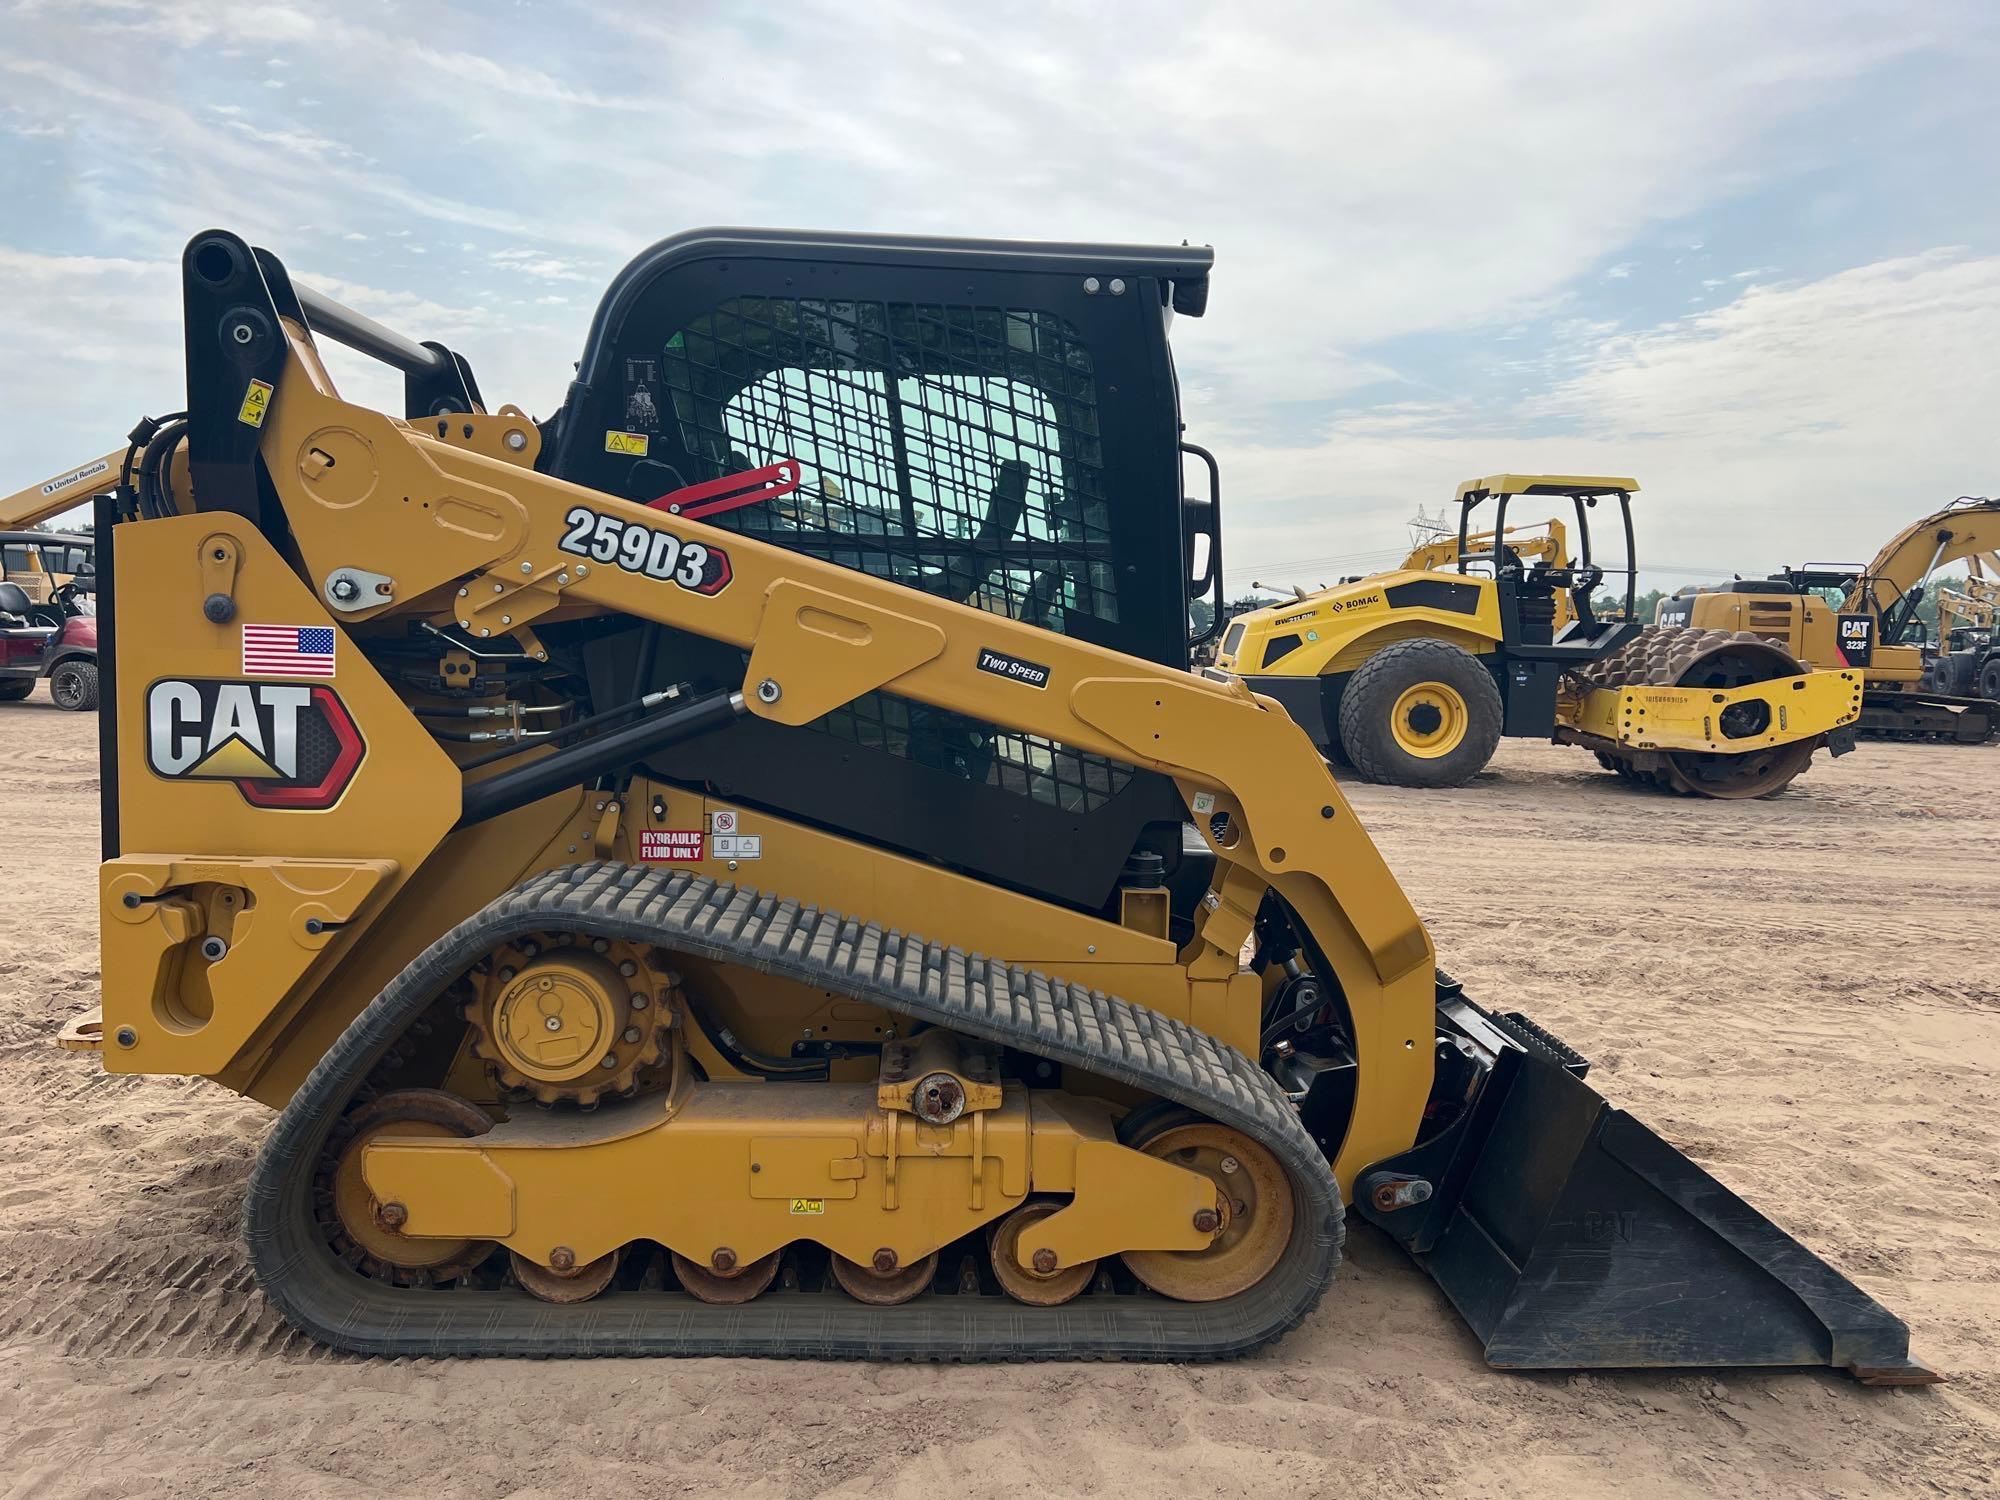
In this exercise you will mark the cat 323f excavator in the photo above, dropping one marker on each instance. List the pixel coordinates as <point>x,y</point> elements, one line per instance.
<point>743,867</point>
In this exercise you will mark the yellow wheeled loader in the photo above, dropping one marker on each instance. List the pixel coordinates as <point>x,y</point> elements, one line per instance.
<point>1412,676</point>
<point>742,867</point>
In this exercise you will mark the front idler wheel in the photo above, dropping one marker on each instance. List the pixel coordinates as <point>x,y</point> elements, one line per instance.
<point>1251,1221</point>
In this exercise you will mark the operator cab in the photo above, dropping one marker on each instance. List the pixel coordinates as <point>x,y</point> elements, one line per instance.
<point>1894,610</point>
<point>991,422</point>
<point>1528,591</point>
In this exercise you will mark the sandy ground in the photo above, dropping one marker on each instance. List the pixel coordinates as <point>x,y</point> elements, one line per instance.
<point>1803,994</point>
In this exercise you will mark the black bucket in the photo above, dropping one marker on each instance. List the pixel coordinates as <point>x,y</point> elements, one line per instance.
<point>1570,1236</point>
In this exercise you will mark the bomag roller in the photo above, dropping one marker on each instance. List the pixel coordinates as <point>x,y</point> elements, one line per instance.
<point>1412,676</point>
<point>743,867</point>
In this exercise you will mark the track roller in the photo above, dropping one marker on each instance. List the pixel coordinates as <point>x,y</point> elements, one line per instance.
<point>578,1284</point>
<point>1030,1284</point>
<point>723,1282</point>
<point>887,1286</point>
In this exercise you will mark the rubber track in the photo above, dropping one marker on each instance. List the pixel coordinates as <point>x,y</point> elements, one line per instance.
<point>976,996</point>
<point>1900,716</point>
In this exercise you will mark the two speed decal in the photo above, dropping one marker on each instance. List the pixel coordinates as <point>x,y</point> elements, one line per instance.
<point>646,550</point>
<point>1013,668</point>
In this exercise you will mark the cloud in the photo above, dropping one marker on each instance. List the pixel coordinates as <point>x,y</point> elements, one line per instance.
<point>1807,421</point>
<point>1378,179</point>
<point>535,263</point>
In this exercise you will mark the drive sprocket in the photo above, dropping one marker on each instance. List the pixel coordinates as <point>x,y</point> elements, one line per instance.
<point>567,1020</point>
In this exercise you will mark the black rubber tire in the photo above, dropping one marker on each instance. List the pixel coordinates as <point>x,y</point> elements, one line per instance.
<point>1989,679</point>
<point>1369,738</point>
<point>14,689</point>
<point>73,685</point>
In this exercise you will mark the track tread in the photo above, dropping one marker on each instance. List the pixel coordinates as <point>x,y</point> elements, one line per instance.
<point>969,992</point>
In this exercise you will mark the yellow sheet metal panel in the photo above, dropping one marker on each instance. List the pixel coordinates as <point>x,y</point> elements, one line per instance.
<point>260,752</point>
<point>1337,629</point>
<point>199,952</point>
<point>1659,718</point>
<point>570,1177</point>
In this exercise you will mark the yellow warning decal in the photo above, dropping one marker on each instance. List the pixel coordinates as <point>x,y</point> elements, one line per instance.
<point>809,1205</point>
<point>633,443</point>
<point>256,401</point>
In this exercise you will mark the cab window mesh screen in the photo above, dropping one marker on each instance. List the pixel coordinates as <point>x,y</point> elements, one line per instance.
<point>1025,764</point>
<point>953,449</point>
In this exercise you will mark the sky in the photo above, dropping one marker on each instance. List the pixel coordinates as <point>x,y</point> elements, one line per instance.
<point>1746,252</point>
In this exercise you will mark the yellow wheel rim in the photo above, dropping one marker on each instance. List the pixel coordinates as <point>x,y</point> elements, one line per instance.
<point>1430,720</point>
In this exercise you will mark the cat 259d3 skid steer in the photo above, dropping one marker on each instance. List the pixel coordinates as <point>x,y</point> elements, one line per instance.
<point>543,818</point>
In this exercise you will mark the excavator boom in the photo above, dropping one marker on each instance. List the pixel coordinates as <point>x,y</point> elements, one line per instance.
<point>1891,584</point>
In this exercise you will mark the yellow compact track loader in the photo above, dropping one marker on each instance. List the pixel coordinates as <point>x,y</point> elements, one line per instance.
<point>1412,676</point>
<point>742,867</point>
<point>1873,630</point>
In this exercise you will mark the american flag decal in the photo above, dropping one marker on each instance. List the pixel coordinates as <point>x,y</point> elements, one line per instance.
<point>288,650</point>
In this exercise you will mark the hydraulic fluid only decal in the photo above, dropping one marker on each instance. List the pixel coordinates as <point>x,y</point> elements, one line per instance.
<point>673,846</point>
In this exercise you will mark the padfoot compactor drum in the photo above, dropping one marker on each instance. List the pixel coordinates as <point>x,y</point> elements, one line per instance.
<point>1725,698</point>
<point>742,867</point>
<point>1411,677</point>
